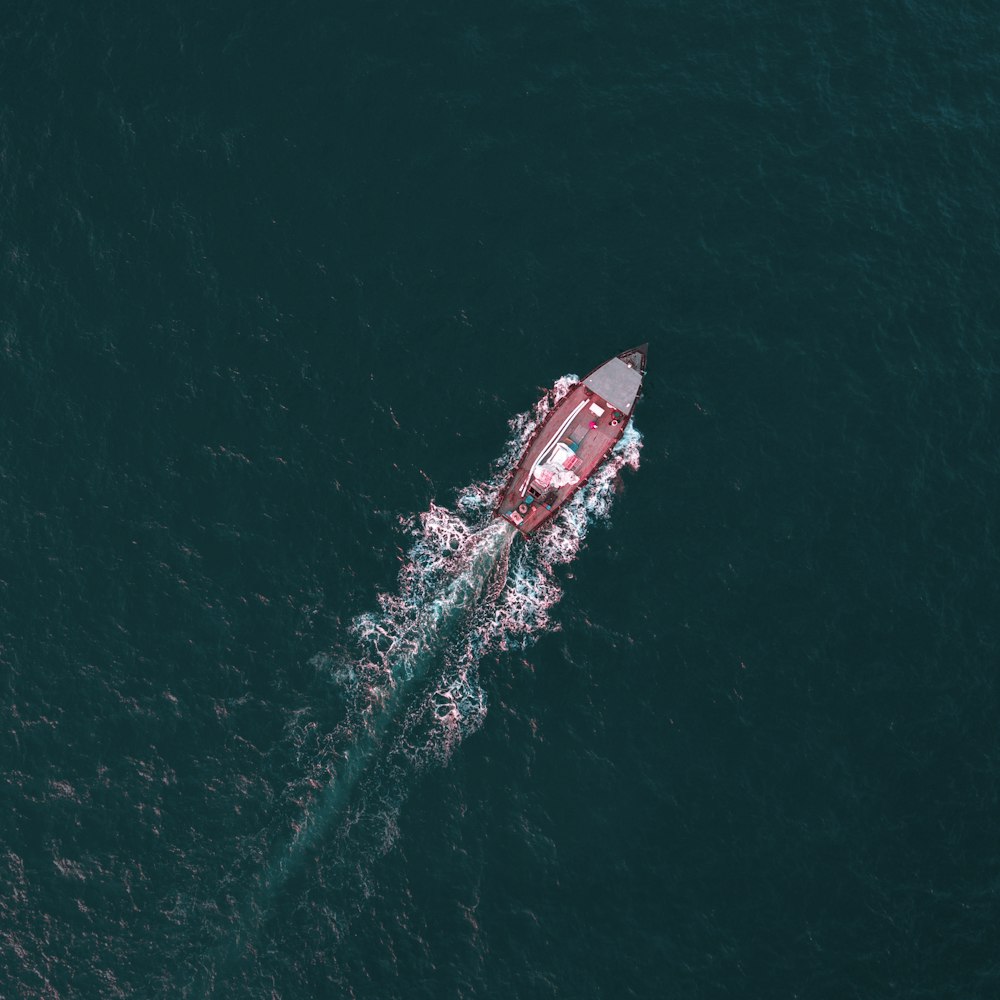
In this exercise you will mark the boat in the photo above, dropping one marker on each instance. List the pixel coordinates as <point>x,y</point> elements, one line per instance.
<point>572,441</point>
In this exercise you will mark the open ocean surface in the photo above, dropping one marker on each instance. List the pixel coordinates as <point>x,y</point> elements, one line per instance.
<point>284,715</point>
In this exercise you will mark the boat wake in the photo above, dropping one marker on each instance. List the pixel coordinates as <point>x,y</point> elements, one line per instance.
<point>407,675</point>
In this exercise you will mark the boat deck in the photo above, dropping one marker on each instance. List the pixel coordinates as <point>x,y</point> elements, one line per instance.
<point>568,446</point>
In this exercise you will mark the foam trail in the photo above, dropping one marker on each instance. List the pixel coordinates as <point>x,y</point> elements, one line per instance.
<point>486,550</point>
<point>471,571</point>
<point>410,672</point>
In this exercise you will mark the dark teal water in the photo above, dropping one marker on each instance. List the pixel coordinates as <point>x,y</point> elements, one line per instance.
<point>273,282</point>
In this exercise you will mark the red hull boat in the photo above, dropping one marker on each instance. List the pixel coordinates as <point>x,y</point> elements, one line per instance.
<point>572,441</point>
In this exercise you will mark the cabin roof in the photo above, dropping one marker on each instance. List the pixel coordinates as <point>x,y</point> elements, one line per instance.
<point>617,383</point>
